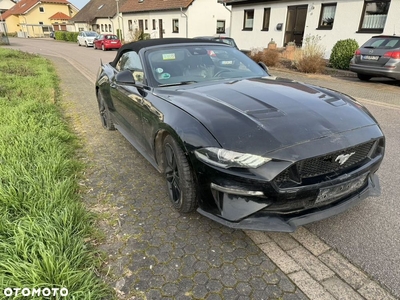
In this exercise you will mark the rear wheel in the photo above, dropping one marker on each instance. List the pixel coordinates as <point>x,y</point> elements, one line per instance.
<point>86,45</point>
<point>105,115</point>
<point>364,77</point>
<point>179,176</point>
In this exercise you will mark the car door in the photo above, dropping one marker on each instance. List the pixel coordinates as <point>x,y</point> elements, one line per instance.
<point>97,41</point>
<point>128,99</point>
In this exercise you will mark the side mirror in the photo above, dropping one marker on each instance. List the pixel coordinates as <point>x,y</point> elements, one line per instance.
<point>264,67</point>
<point>125,77</point>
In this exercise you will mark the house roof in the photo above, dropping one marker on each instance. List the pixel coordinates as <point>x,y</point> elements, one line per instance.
<point>154,5</point>
<point>23,6</point>
<point>59,16</point>
<point>97,9</point>
<point>106,8</point>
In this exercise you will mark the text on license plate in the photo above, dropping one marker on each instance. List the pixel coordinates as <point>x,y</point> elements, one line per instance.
<point>339,190</point>
<point>370,57</point>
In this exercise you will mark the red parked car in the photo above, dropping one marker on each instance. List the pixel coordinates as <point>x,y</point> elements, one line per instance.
<point>106,41</point>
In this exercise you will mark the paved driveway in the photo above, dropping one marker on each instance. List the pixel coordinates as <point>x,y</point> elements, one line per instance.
<point>154,251</point>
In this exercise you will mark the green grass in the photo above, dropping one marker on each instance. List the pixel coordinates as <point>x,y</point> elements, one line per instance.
<point>43,223</point>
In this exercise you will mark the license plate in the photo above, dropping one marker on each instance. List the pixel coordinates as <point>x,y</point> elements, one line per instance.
<point>113,42</point>
<point>339,190</point>
<point>370,57</point>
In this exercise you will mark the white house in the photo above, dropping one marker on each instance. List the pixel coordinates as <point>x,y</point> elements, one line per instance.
<point>254,23</point>
<point>178,18</point>
<point>4,5</point>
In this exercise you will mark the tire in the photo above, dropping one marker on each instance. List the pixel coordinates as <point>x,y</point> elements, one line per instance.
<point>363,77</point>
<point>94,46</point>
<point>179,177</point>
<point>105,115</point>
<point>79,44</point>
<point>103,48</point>
<point>86,45</point>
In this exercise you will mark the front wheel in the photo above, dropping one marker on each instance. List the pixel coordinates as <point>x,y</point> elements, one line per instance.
<point>103,48</point>
<point>179,176</point>
<point>105,115</point>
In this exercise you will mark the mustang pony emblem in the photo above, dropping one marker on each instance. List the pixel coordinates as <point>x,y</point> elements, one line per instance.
<point>342,158</point>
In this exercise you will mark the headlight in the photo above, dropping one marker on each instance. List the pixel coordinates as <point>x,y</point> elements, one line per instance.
<point>228,159</point>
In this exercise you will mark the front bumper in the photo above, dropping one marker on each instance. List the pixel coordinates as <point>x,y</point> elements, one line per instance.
<point>267,221</point>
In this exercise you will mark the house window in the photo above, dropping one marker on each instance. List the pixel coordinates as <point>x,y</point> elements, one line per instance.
<point>40,23</point>
<point>220,26</point>
<point>141,25</point>
<point>130,25</point>
<point>102,27</point>
<point>109,27</point>
<point>267,14</point>
<point>374,16</point>
<point>175,25</point>
<point>248,19</point>
<point>146,26</point>
<point>105,28</point>
<point>154,24</point>
<point>327,16</point>
<point>41,9</point>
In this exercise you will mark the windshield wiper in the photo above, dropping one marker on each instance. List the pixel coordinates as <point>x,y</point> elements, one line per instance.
<point>178,83</point>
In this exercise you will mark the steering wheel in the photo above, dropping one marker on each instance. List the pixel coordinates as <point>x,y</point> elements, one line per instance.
<point>220,72</point>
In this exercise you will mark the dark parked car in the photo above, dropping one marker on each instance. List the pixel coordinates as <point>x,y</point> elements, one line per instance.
<point>223,39</point>
<point>106,42</point>
<point>378,57</point>
<point>246,149</point>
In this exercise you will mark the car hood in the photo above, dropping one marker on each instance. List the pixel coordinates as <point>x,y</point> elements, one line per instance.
<point>262,115</point>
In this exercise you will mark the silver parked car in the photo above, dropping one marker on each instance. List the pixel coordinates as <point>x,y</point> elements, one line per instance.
<point>378,57</point>
<point>86,38</point>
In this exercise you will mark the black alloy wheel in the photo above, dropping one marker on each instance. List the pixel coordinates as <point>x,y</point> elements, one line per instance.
<point>180,183</point>
<point>105,116</point>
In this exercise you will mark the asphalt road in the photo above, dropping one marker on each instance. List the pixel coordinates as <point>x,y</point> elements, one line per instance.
<point>369,234</point>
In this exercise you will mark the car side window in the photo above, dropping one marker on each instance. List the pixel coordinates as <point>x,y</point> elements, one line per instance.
<point>131,61</point>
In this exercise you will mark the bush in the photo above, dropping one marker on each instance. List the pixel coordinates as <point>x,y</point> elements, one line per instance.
<point>270,57</point>
<point>342,53</point>
<point>72,36</point>
<point>311,58</point>
<point>311,64</point>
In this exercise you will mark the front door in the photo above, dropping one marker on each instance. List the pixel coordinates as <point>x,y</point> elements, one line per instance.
<point>295,24</point>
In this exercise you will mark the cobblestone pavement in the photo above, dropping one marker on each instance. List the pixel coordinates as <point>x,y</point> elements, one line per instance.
<point>156,253</point>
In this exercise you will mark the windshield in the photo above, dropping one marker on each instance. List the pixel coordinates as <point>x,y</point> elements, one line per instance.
<point>383,43</point>
<point>88,33</point>
<point>200,63</point>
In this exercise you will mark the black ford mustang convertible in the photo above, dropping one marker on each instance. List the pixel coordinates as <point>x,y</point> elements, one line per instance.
<point>244,148</point>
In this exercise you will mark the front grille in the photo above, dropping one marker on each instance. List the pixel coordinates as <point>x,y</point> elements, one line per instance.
<point>326,165</point>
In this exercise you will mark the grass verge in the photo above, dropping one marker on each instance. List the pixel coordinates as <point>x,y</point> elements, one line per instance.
<point>43,224</point>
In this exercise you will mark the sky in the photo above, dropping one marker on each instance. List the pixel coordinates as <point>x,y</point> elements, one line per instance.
<point>79,3</point>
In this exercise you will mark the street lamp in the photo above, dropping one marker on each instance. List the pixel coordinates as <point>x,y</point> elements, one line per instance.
<point>119,27</point>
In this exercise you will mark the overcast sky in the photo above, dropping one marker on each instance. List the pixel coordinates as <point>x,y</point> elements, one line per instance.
<point>79,3</point>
